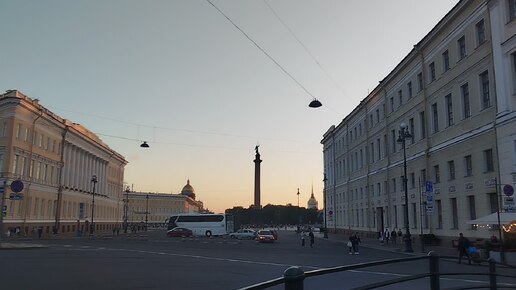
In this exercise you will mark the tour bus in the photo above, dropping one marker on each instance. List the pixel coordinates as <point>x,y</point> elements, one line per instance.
<point>203,224</point>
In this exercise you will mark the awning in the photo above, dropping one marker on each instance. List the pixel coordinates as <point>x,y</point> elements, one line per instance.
<point>492,219</point>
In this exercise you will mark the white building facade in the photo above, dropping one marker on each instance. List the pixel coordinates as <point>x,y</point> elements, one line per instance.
<point>456,93</point>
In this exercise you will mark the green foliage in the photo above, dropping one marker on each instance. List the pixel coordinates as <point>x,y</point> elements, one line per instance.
<point>274,215</point>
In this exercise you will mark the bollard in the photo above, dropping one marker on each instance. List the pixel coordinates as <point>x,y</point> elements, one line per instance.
<point>294,278</point>
<point>434,270</point>
<point>492,274</point>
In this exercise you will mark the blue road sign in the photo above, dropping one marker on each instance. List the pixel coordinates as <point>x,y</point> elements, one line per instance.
<point>17,185</point>
<point>429,186</point>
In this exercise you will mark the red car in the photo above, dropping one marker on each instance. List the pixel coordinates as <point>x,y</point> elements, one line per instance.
<point>179,232</point>
<point>265,236</point>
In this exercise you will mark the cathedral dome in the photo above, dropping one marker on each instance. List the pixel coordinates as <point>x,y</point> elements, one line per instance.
<point>188,190</point>
<point>312,202</point>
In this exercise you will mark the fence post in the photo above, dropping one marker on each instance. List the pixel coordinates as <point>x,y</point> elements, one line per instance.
<point>492,274</point>
<point>434,270</point>
<point>294,277</point>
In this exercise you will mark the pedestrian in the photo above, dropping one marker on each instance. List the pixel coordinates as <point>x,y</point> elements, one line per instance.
<point>114,230</point>
<point>40,232</point>
<point>387,236</point>
<point>463,245</point>
<point>393,236</point>
<point>312,238</point>
<point>303,239</point>
<point>117,230</point>
<point>400,235</point>
<point>355,240</point>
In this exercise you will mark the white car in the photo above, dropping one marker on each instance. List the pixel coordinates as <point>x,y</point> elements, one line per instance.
<point>243,234</point>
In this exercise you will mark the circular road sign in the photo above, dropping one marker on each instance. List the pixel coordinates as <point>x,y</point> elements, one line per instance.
<point>508,190</point>
<point>330,212</point>
<point>17,185</point>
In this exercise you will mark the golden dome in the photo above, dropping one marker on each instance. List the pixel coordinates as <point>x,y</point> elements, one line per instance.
<point>188,190</point>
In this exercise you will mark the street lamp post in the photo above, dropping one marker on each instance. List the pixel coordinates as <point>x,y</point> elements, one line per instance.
<point>403,135</point>
<point>126,209</point>
<point>324,208</point>
<point>92,225</point>
<point>146,210</point>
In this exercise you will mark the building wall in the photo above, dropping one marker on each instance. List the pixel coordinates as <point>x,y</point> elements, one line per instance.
<point>58,191</point>
<point>363,161</point>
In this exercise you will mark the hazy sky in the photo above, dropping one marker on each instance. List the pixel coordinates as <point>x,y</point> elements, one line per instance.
<point>179,75</point>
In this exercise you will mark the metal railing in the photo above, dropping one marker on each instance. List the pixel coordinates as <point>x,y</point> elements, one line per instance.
<point>293,278</point>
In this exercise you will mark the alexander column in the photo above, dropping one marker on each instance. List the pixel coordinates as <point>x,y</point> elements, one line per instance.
<point>257,162</point>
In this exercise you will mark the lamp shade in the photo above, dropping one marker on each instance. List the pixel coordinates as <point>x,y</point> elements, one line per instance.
<point>144,144</point>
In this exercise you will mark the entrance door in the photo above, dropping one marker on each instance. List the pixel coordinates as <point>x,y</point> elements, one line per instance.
<point>379,219</point>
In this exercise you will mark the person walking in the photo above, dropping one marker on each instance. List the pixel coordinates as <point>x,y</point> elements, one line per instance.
<point>303,237</point>
<point>400,236</point>
<point>355,240</point>
<point>386,235</point>
<point>462,246</point>
<point>312,238</point>
<point>394,236</point>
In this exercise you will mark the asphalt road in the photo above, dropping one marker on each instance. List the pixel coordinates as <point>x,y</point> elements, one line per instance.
<point>158,262</point>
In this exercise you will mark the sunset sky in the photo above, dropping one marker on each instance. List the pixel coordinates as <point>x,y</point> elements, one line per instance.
<point>181,76</point>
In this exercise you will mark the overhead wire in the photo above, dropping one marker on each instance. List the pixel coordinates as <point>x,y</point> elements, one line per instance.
<point>262,50</point>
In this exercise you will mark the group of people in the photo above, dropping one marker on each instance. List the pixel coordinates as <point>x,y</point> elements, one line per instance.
<point>311,237</point>
<point>393,236</point>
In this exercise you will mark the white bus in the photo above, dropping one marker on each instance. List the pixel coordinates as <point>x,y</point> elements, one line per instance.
<point>203,224</point>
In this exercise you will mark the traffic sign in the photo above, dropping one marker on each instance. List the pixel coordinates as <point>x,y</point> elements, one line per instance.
<point>429,186</point>
<point>508,190</point>
<point>17,185</point>
<point>4,210</point>
<point>16,196</point>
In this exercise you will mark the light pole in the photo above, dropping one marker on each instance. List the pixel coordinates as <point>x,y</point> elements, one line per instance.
<point>92,225</point>
<point>403,135</point>
<point>298,197</point>
<point>324,208</point>
<point>126,209</point>
<point>146,210</point>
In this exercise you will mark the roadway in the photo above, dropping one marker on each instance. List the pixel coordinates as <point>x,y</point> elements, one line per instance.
<point>158,262</point>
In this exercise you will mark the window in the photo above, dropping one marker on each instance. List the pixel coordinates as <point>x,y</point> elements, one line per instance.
<point>15,163</point>
<point>412,180</point>
<point>371,120</point>
<point>439,214</point>
<point>449,109</point>
<point>393,140</point>
<point>385,145</point>
<point>481,32</point>
<point>446,60</point>
<point>378,145</point>
<point>377,117</point>
<point>472,210</point>
<point>435,118</point>
<point>24,167</point>
<point>486,98</point>
<point>466,109</point>
<point>395,216</point>
<point>27,135</point>
<point>493,202</point>
<point>455,217</point>
<point>400,98</point>
<point>409,89</point>
<point>393,181</point>
<point>468,165</point>
<point>420,81</point>
<point>411,128</point>
<point>451,170</point>
<point>422,175</point>
<point>422,127</point>
<point>18,131</point>
<point>4,129</point>
<point>461,44</point>
<point>512,9</point>
<point>488,157</point>
<point>437,174</point>
<point>432,72</point>
<point>391,100</point>
<point>372,152</point>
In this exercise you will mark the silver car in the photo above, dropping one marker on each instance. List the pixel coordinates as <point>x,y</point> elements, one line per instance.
<point>243,234</point>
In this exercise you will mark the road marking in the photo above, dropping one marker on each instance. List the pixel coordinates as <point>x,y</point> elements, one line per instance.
<point>273,264</point>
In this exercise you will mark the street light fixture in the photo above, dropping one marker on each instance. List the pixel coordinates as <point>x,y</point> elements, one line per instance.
<point>403,135</point>
<point>126,209</point>
<point>92,225</point>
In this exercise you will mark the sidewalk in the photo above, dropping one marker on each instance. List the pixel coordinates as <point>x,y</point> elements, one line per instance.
<point>398,248</point>
<point>20,246</point>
